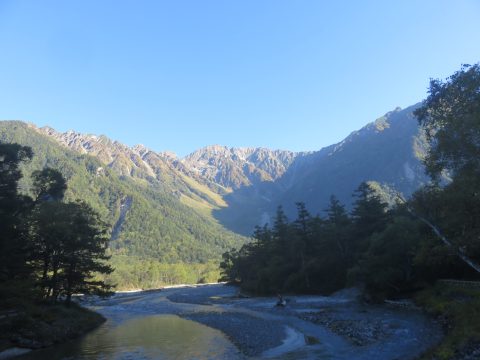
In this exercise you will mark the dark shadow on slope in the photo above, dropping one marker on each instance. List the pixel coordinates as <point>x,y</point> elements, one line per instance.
<point>125,205</point>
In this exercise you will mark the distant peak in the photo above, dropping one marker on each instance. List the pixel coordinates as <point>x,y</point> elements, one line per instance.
<point>140,148</point>
<point>46,128</point>
<point>168,154</point>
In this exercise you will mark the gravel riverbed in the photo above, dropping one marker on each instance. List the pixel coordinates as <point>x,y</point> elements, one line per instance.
<point>252,335</point>
<point>334,327</point>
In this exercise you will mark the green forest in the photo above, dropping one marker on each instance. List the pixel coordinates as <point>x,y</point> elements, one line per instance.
<point>158,235</point>
<point>50,249</point>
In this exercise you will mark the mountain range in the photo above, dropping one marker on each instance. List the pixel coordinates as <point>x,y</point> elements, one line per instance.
<point>194,208</point>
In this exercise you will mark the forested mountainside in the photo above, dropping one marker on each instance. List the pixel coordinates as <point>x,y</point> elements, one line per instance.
<point>156,213</point>
<point>387,152</point>
<point>200,180</point>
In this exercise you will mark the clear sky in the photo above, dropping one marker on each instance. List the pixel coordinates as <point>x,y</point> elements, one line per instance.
<point>178,75</point>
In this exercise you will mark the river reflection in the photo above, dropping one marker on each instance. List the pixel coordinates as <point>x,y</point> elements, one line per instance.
<point>149,337</point>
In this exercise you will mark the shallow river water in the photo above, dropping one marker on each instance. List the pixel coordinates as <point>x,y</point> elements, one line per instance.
<point>172,324</point>
<point>145,337</point>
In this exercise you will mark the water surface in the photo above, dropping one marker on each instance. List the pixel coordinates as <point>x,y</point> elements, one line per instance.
<point>145,337</point>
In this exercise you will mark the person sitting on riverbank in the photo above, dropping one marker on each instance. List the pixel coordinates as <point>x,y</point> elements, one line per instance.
<point>281,301</point>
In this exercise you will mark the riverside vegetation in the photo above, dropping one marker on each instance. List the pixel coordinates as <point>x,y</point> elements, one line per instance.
<point>394,250</point>
<point>49,250</point>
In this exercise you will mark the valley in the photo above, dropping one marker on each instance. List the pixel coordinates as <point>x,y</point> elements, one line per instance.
<point>239,180</point>
<point>377,224</point>
<point>169,210</point>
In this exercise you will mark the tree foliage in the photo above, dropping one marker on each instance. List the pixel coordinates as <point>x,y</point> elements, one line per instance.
<point>388,251</point>
<point>12,207</point>
<point>451,117</point>
<point>69,247</point>
<point>57,246</point>
<point>310,254</point>
<point>48,184</point>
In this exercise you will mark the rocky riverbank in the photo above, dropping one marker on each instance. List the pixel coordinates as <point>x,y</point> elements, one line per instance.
<point>252,335</point>
<point>40,325</point>
<point>338,326</point>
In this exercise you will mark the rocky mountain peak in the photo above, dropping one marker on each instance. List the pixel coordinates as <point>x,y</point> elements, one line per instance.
<point>237,167</point>
<point>169,155</point>
<point>140,149</point>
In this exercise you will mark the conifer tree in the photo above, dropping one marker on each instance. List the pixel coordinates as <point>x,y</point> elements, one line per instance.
<point>12,206</point>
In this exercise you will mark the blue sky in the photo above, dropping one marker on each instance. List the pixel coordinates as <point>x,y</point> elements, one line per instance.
<point>179,75</point>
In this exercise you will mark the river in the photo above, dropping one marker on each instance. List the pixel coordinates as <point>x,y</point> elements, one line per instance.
<point>211,322</point>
